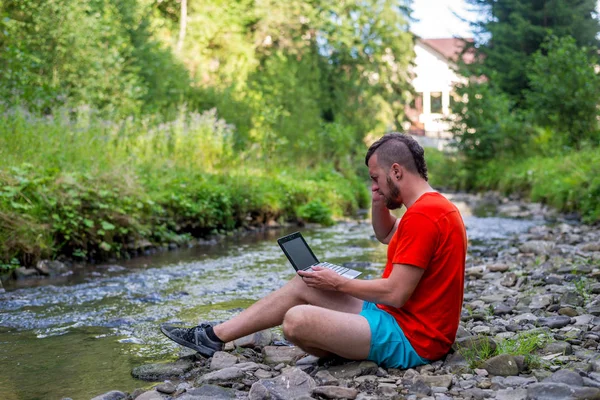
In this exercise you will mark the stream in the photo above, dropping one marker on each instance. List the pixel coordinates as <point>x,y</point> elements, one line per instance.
<point>79,335</point>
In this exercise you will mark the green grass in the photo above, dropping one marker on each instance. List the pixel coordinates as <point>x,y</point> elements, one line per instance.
<point>568,182</point>
<point>83,187</point>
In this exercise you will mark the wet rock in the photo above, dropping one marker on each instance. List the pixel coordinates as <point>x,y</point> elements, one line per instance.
<point>162,371</point>
<point>281,354</point>
<point>112,395</point>
<point>222,375</point>
<point>258,339</point>
<point>167,388</point>
<point>292,383</point>
<point>555,322</point>
<point>353,369</point>
<point>208,392</point>
<point>501,365</point>
<point>222,360</point>
<point>23,273</point>
<point>335,392</point>
<point>51,268</point>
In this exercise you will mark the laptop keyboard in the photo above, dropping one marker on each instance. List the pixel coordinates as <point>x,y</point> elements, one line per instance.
<point>336,268</point>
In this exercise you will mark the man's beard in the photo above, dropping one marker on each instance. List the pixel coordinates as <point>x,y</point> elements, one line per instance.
<point>391,201</point>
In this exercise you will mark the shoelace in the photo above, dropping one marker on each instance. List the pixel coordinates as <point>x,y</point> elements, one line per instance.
<point>190,334</point>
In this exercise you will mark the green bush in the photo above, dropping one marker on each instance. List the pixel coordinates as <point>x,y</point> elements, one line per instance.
<point>315,211</point>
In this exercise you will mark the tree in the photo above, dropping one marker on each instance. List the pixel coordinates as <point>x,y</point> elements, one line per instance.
<point>565,91</point>
<point>517,28</point>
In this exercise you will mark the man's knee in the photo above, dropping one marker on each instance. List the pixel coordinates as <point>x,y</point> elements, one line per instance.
<point>295,321</point>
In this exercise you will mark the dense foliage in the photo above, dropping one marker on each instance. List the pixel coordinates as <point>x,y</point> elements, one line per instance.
<point>516,29</point>
<point>531,105</point>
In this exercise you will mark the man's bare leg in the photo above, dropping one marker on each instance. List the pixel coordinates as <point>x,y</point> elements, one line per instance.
<point>270,310</point>
<point>321,331</point>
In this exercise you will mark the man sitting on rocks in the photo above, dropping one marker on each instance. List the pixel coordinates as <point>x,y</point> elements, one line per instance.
<point>408,317</point>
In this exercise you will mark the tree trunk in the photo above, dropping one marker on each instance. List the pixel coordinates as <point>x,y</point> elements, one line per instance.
<point>182,25</point>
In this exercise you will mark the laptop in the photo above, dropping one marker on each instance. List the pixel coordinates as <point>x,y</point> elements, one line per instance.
<point>302,258</point>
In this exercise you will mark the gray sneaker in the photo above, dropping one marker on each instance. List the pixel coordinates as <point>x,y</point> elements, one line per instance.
<point>194,338</point>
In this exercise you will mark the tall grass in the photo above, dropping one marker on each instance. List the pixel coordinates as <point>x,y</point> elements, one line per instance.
<point>78,185</point>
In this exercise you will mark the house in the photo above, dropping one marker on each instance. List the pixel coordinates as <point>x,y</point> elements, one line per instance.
<point>434,80</point>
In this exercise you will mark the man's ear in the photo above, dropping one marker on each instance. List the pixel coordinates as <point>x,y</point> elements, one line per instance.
<point>397,171</point>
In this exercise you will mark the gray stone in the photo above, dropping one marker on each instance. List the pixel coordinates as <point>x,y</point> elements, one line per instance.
<point>455,363</point>
<point>501,365</point>
<point>166,387</point>
<point>571,298</point>
<point>150,395</point>
<point>23,272</point>
<point>518,381</point>
<point>568,311</point>
<point>540,301</point>
<point>222,375</point>
<point>259,392</point>
<point>282,354</point>
<point>563,348</point>
<point>263,374</point>
<point>247,366</point>
<point>587,393</point>
<point>208,392</point>
<point>222,360</point>
<point>498,268</point>
<point>353,369</point>
<point>555,322</point>
<point>257,339</point>
<point>162,371</point>
<point>324,377</point>
<point>438,380</point>
<point>474,393</point>
<point>112,395</point>
<point>511,394</point>
<point>292,383</point>
<point>549,391</point>
<point>566,376</point>
<point>590,247</point>
<point>51,268</point>
<point>335,392</point>
<point>538,247</point>
<point>509,280</point>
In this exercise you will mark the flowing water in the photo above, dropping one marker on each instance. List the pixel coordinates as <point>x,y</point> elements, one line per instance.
<point>81,334</point>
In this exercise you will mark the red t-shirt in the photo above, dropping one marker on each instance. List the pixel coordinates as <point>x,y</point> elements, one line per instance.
<point>431,235</point>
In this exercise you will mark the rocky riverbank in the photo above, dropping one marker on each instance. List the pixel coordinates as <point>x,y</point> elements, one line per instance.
<point>530,330</point>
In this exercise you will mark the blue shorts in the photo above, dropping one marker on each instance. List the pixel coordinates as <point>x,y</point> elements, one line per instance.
<point>389,346</point>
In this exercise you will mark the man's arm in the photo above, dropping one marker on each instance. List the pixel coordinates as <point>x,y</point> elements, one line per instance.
<point>384,223</point>
<point>393,291</point>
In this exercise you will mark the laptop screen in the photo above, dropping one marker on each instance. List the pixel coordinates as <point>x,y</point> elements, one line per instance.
<point>299,253</point>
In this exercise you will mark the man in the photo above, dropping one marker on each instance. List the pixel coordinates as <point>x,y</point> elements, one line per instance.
<point>408,317</point>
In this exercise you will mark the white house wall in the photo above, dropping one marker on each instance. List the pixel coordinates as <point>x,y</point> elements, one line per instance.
<point>434,73</point>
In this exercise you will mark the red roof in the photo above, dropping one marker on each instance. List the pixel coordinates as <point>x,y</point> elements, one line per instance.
<point>450,48</point>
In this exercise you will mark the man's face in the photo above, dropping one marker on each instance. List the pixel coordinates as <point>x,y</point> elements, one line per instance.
<point>383,184</point>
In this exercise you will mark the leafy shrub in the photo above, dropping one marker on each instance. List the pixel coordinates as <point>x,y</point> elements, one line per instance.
<point>315,211</point>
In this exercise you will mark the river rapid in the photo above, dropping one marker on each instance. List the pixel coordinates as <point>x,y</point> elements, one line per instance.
<point>79,335</point>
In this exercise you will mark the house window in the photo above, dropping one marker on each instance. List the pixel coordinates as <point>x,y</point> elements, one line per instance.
<point>436,102</point>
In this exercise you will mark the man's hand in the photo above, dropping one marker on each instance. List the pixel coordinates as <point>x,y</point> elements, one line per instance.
<point>322,278</point>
